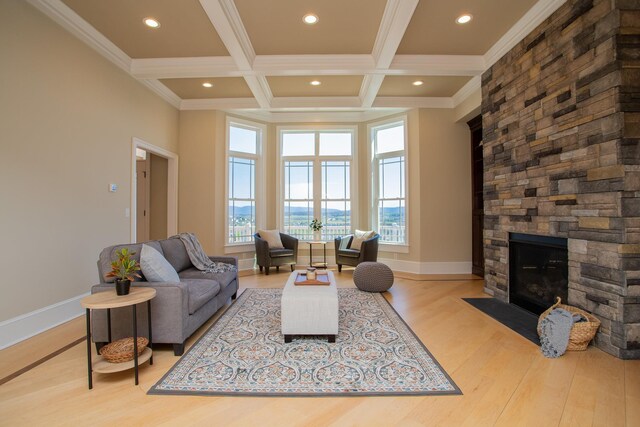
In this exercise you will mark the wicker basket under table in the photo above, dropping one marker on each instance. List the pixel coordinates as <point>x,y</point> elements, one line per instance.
<point>582,332</point>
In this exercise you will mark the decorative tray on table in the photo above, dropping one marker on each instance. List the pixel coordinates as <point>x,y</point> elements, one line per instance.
<point>322,279</point>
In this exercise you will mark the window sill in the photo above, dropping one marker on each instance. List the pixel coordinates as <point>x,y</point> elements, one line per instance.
<point>390,247</point>
<point>239,248</point>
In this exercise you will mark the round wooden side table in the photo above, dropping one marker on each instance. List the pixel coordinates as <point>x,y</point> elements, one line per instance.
<point>106,301</point>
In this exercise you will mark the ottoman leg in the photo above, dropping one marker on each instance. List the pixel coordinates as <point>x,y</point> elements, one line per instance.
<point>331,338</point>
<point>287,338</point>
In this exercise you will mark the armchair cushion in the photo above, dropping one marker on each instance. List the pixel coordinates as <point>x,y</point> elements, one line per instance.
<point>272,237</point>
<point>359,237</point>
<point>275,253</point>
<point>351,253</point>
<point>155,267</point>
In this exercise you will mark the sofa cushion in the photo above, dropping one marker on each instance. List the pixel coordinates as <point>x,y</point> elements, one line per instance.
<point>272,237</point>
<point>155,267</point>
<point>222,278</point>
<point>176,253</point>
<point>275,253</point>
<point>200,292</point>
<point>351,253</point>
<point>109,254</point>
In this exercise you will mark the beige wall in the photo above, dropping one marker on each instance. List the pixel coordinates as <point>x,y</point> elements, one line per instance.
<point>445,187</point>
<point>67,118</point>
<point>158,198</point>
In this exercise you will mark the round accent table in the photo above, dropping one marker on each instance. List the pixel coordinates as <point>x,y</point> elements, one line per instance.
<point>373,277</point>
<point>106,301</point>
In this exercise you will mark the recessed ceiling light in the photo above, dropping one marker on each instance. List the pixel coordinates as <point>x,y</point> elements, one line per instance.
<point>207,84</point>
<point>463,19</point>
<point>310,18</point>
<point>418,83</point>
<point>315,83</point>
<point>151,22</point>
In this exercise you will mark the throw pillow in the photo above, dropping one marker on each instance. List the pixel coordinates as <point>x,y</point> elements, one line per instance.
<point>155,267</point>
<point>272,237</point>
<point>359,237</point>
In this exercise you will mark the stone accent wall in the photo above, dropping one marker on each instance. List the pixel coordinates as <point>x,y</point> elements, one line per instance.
<point>561,123</point>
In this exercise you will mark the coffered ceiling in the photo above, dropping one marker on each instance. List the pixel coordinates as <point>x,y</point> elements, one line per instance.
<point>260,57</point>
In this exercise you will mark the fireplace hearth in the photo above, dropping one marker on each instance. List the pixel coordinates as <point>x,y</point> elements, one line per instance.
<point>538,271</point>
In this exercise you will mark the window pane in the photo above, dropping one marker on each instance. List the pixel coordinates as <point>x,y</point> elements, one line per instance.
<point>335,180</point>
<point>298,144</point>
<point>336,217</point>
<point>242,221</point>
<point>391,178</point>
<point>241,178</point>
<point>243,140</point>
<point>335,144</point>
<point>390,139</point>
<point>298,180</point>
<point>297,217</point>
<point>391,226</point>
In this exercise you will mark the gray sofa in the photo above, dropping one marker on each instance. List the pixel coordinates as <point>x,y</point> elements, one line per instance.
<point>178,309</point>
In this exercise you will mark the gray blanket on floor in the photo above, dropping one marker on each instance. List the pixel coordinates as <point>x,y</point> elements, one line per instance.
<point>199,258</point>
<point>555,330</point>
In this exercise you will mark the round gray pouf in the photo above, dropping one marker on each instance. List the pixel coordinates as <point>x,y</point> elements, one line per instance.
<point>373,277</point>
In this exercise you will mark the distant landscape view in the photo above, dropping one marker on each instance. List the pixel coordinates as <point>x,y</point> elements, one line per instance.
<point>336,223</point>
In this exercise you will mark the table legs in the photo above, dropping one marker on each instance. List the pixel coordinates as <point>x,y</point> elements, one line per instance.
<point>89,365</point>
<point>150,339</point>
<point>135,342</point>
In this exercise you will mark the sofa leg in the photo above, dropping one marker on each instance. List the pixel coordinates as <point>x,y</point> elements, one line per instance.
<point>178,349</point>
<point>293,267</point>
<point>99,346</point>
<point>235,295</point>
<point>339,268</point>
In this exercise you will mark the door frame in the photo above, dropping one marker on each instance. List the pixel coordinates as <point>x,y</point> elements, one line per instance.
<point>172,185</point>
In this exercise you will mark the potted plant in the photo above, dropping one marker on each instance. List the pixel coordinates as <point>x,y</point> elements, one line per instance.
<point>124,269</point>
<point>316,226</point>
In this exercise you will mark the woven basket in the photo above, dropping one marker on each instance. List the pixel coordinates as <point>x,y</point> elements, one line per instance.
<point>122,350</point>
<point>582,332</point>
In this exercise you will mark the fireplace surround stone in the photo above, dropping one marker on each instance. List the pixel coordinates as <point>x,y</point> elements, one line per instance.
<point>561,135</point>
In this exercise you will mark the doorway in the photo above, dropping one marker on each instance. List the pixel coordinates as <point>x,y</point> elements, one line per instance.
<point>154,186</point>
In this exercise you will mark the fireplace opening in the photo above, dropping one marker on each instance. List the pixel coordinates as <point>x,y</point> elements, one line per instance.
<point>538,271</point>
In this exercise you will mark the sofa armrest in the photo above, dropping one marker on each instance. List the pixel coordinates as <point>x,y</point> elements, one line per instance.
<point>225,259</point>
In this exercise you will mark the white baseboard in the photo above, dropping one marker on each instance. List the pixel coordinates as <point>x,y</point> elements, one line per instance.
<point>416,267</point>
<point>20,328</point>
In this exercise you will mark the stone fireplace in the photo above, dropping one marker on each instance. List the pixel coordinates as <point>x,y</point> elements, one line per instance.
<point>561,124</point>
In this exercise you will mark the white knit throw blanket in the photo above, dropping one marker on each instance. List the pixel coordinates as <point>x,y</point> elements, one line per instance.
<point>199,258</point>
<point>555,330</point>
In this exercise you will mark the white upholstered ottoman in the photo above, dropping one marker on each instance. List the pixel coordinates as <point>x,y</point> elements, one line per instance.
<point>309,310</point>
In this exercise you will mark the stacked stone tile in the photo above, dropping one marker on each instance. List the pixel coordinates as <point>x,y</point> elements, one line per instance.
<point>561,123</point>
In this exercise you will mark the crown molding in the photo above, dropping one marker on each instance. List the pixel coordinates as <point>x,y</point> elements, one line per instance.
<point>72,22</point>
<point>529,21</point>
<point>163,91</point>
<point>369,89</point>
<point>166,68</point>
<point>395,20</point>
<point>316,116</point>
<point>437,65</point>
<point>218,104</point>
<point>304,65</point>
<point>465,91</point>
<point>316,102</point>
<point>412,102</point>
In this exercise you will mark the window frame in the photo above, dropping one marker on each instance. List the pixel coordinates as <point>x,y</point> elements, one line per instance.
<point>374,190</point>
<point>317,160</point>
<point>259,177</point>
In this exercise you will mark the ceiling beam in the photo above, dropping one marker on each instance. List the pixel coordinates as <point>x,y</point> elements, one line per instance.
<point>226,20</point>
<point>412,102</point>
<point>316,102</point>
<point>218,104</point>
<point>313,65</point>
<point>167,68</point>
<point>437,65</point>
<point>394,23</point>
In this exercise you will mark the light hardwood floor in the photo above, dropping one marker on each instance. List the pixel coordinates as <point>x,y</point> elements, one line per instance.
<point>504,378</point>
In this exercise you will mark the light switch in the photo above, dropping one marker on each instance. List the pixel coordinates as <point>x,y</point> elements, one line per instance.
<point>127,212</point>
<point>113,188</point>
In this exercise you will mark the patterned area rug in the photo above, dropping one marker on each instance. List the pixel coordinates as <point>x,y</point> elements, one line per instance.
<point>243,353</point>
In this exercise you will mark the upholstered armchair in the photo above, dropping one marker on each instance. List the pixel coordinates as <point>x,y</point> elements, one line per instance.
<point>266,257</point>
<point>345,255</point>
